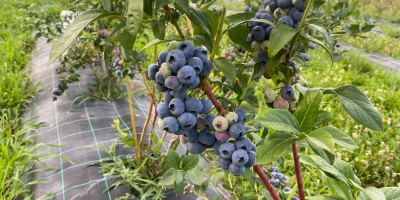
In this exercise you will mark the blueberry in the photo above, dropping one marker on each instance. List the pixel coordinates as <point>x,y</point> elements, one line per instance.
<point>279,12</point>
<point>187,48</point>
<point>246,9</point>
<point>224,163</point>
<point>296,25</point>
<point>193,84</point>
<point>201,123</point>
<point>284,4</point>
<point>176,60</point>
<point>255,46</point>
<point>170,124</point>
<point>196,63</point>
<point>222,136</point>
<point>262,11</point>
<point>273,5</point>
<point>173,45</point>
<point>268,17</point>
<point>117,68</point>
<point>233,56</point>
<point>216,146</point>
<point>287,92</point>
<point>275,169</point>
<point>195,147</point>
<point>264,45</point>
<point>280,176</point>
<point>263,56</point>
<point>187,120</point>
<point>241,115</point>
<point>153,69</point>
<point>252,159</point>
<point>237,130</point>
<point>265,3</point>
<point>268,32</point>
<point>257,78</point>
<point>269,95</point>
<point>281,104</point>
<point>160,87</point>
<point>191,134</point>
<point>209,119</point>
<point>249,39</point>
<point>181,131</point>
<point>258,15</point>
<point>232,117</point>
<point>118,72</point>
<point>165,70</point>
<point>207,105</point>
<point>236,170</point>
<point>172,83</point>
<point>240,157</point>
<point>253,147</point>
<point>251,25</point>
<point>186,74</point>
<point>312,46</point>
<point>118,59</point>
<point>176,106</point>
<point>162,57</point>
<point>258,33</point>
<point>299,4</point>
<point>297,15</point>
<point>295,198</point>
<point>286,189</point>
<point>162,110</point>
<point>220,123</point>
<point>206,138</point>
<point>182,94</point>
<point>160,79</point>
<point>207,67</point>
<point>201,53</point>
<point>226,150</point>
<point>243,143</point>
<point>286,20</point>
<point>193,105</point>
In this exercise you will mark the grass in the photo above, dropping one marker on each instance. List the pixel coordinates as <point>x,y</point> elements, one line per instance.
<point>387,44</point>
<point>382,9</point>
<point>18,153</point>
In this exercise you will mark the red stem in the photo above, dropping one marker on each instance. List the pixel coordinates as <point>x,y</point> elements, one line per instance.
<point>266,182</point>
<point>298,171</point>
<point>209,93</point>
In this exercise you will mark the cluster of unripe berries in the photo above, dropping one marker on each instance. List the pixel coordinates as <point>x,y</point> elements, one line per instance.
<point>57,91</point>
<point>230,56</point>
<point>117,68</point>
<point>279,180</point>
<point>286,92</point>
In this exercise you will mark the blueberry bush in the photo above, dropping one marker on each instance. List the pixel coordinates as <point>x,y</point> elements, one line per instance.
<point>241,134</point>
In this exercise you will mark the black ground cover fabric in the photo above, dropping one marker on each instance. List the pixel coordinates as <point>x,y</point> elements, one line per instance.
<point>79,132</point>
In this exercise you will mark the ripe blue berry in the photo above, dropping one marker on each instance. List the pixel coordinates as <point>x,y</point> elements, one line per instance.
<point>226,150</point>
<point>246,9</point>
<point>284,4</point>
<point>258,33</point>
<point>299,4</point>
<point>187,120</point>
<point>286,189</point>
<point>191,134</point>
<point>287,92</point>
<point>216,146</point>
<point>268,32</point>
<point>253,147</point>
<point>160,79</point>
<point>206,138</point>
<point>237,130</point>
<point>249,39</point>
<point>262,56</point>
<point>170,124</point>
<point>195,147</point>
<point>297,15</point>
<point>153,69</point>
<point>240,157</point>
<point>172,83</point>
<point>312,46</point>
<point>209,119</point>
<point>286,20</point>
<point>241,115</point>
<point>243,143</point>
<point>187,49</point>
<point>176,60</point>
<point>162,57</point>
<point>182,94</point>
<point>193,105</point>
<point>207,105</point>
<point>224,163</point>
<point>162,110</point>
<point>252,159</point>
<point>236,170</point>
<point>273,5</point>
<point>196,63</point>
<point>160,87</point>
<point>176,106</point>
<point>201,53</point>
<point>186,74</point>
<point>207,67</point>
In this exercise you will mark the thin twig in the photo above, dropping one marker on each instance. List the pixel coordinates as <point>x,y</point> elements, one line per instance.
<point>268,185</point>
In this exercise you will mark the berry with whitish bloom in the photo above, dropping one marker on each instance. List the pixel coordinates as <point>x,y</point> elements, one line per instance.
<point>207,105</point>
<point>193,105</point>
<point>286,189</point>
<point>191,135</point>
<point>207,67</point>
<point>201,53</point>
<point>206,138</point>
<point>176,106</point>
<point>172,83</point>
<point>237,130</point>
<point>195,147</point>
<point>287,92</point>
<point>187,48</point>
<point>258,33</point>
<point>241,115</point>
<point>286,20</point>
<point>187,120</point>
<point>226,150</point>
<point>236,170</point>
<point>240,157</point>
<point>252,159</point>
<point>284,4</point>
<point>268,32</point>
<point>152,70</point>
<point>170,124</point>
<point>162,57</point>
<point>220,123</point>
<point>243,143</point>
<point>196,63</point>
<point>222,136</point>
<point>209,121</point>
<point>186,74</point>
<point>162,110</point>
<point>176,60</point>
<point>224,163</point>
<point>263,56</point>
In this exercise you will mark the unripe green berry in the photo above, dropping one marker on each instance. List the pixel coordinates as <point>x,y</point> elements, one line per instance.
<point>255,46</point>
<point>165,70</point>
<point>265,45</point>
<point>173,45</point>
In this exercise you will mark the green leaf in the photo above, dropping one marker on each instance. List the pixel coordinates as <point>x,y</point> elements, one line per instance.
<point>127,40</point>
<point>173,159</point>
<point>200,19</point>
<point>167,38</point>
<point>189,162</point>
<point>340,189</point>
<point>119,27</point>
<point>74,29</point>
<point>340,138</point>
<point>246,21</point>
<point>347,171</point>
<point>307,111</point>
<point>248,175</point>
<point>134,16</point>
<point>158,27</point>
<point>161,3</point>
<point>391,193</point>
<point>195,176</point>
<point>227,68</point>
<point>184,4</point>
<point>323,46</point>
<point>273,63</point>
<point>179,187</point>
<point>371,193</point>
<point>334,198</point>
<point>280,36</point>
<point>204,39</point>
<point>274,146</point>
<point>280,120</point>
<point>322,117</point>
<point>238,35</point>
<point>324,34</point>
<point>357,104</point>
<point>178,176</point>
<point>322,144</point>
<point>106,4</point>
<point>168,178</point>
<point>216,177</point>
<point>251,99</point>
<point>237,17</point>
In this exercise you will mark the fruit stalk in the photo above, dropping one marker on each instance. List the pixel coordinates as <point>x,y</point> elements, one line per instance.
<point>210,95</point>
<point>266,182</point>
<point>298,171</point>
<point>146,123</point>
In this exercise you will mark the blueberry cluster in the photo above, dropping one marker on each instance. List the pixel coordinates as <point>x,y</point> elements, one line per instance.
<point>187,189</point>
<point>289,12</point>
<point>279,180</point>
<point>231,56</point>
<point>286,92</point>
<point>58,91</point>
<point>117,68</point>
